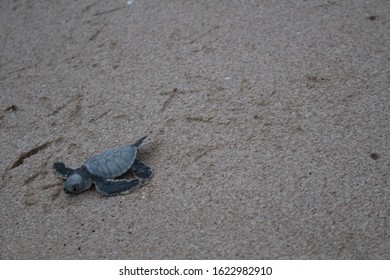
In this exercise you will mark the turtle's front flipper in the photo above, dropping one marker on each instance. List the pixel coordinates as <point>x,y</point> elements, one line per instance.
<point>141,170</point>
<point>61,169</point>
<point>111,187</point>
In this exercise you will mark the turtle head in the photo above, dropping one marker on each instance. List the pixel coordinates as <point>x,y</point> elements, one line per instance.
<point>77,183</point>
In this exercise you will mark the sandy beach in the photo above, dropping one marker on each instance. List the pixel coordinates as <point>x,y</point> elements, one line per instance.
<point>267,124</point>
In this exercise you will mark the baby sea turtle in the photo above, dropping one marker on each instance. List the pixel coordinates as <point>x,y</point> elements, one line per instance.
<point>103,168</point>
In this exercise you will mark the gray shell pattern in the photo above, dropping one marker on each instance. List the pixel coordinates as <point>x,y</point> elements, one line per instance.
<point>112,163</point>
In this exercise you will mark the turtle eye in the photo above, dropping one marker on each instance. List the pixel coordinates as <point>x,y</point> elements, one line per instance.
<point>69,190</point>
<point>72,189</point>
<point>76,188</point>
<point>73,184</point>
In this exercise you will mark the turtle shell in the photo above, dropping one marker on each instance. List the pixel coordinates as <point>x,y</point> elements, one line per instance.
<point>112,163</point>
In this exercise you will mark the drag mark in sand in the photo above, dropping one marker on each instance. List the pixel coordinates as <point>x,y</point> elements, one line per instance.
<point>21,69</point>
<point>201,35</point>
<point>167,103</point>
<point>204,119</point>
<point>9,109</point>
<point>88,7</point>
<point>108,11</point>
<point>31,178</point>
<point>97,32</point>
<point>171,95</point>
<point>28,154</point>
<point>100,116</point>
<point>32,152</point>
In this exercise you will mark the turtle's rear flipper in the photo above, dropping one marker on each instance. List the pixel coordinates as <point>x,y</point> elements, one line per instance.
<point>141,170</point>
<point>139,142</point>
<point>114,187</point>
<point>61,169</point>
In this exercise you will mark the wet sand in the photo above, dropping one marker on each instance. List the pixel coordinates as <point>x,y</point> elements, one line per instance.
<point>267,123</point>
